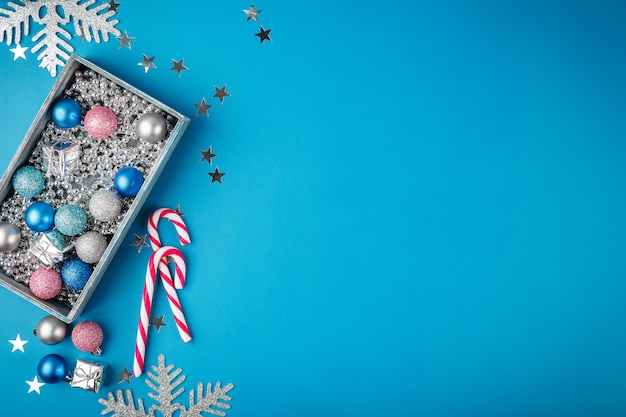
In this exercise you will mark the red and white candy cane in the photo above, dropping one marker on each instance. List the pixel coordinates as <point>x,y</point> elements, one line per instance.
<point>158,260</point>
<point>175,218</point>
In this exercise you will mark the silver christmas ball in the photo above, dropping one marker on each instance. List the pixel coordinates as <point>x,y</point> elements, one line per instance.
<point>105,205</point>
<point>9,236</point>
<point>50,330</point>
<point>90,247</point>
<point>152,127</point>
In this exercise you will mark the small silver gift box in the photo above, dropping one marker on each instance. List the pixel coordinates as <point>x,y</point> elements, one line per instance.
<point>88,375</point>
<point>60,157</point>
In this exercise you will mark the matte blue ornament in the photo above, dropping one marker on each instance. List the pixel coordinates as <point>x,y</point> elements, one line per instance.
<point>66,113</point>
<point>70,220</point>
<point>128,181</point>
<point>39,216</point>
<point>52,368</point>
<point>29,181</point>
<point>75,274</point>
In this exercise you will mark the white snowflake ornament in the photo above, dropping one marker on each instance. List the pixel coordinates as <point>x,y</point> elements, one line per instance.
<point>164,383</point>
<point>91,21</point>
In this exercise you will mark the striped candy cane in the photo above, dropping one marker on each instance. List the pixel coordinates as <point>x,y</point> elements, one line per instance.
<point>174,217</point>
<point>158,260</point>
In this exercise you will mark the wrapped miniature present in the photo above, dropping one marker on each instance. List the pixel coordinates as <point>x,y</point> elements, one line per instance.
<point>88,375</point>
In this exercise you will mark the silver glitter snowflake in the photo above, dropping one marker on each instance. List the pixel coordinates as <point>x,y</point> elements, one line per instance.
<point>165,382</point>
<point>90,20</point>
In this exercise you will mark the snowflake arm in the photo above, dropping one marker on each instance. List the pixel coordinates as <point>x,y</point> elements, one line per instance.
<point>91,20</point>
<point>121,407</point>
<point>56,49</point>
<point>14,21</point>
<point>164,382</point>
<point>204,403</point>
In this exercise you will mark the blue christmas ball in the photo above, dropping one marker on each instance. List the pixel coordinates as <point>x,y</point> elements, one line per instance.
<point>70,220</point>
<point>39,216</point>
<point>128,181</point>
<point>75,274</point>
<point>29,181</point>
<point>52,368</point>
<point>66,113</point>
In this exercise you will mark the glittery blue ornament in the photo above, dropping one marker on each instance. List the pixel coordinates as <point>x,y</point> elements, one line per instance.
<point>39,216</point>
<point>57,239</point>
<point>66,113</point>
<point>75,274</point>
<point>128,181</point>
<point>29,181</point>
<point>52,368</point>
<point>70,220</point>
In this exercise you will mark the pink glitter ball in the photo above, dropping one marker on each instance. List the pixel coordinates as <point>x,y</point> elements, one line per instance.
<point>100,122</point>
<point>45,283</point>
<point>87,336</point>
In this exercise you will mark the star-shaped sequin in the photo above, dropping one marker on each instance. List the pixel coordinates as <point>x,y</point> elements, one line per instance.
<point>139,243</point>
<point>179,66</point>
<point>157,322</point>
<point>147,63</point>
<point>18,52</point>
<point>113,5</point>
<point>125,40</point>
<point>207,155</point>
<point>216,176</point>
<point>252,13</point>
<point>34,385</point>
<point>81,34</point>
<point>203,108</point>
<point>18,343</point>
<point>124,375</point>
<point>220,93</point>
<point>177,210</point>
<point>264,34</point>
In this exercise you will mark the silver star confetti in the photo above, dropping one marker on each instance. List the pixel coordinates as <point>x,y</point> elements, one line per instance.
<point>157,322</point>
<point>179,66</point>
<point>264,34</point>
<point>252,13</point>
<point>18,343</point>
<point>124,375</point>
<point>220,93</point>
<point>34,385</point>
<point>147,63</point>
<point>139,243</point>
<point>216,176</point>
<point>203,108</point>
<point>125,40</point>
<point>208,156</point>
<point>177,210</point>
<point>80,33</point>
<point>113,6</point>
<point>18,52</point>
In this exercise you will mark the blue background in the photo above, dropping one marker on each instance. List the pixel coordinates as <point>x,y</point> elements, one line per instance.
<point>423,211</point>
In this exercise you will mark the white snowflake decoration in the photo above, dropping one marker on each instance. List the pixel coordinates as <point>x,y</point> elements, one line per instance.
<point>164,383</point>
<point>90,22</point>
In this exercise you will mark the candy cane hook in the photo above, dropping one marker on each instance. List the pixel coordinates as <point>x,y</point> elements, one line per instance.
<point>177,221</point>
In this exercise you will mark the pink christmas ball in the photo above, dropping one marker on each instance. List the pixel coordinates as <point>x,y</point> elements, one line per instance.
<point>87,336</point>
<point>100,122</point>
<point>45,283</point>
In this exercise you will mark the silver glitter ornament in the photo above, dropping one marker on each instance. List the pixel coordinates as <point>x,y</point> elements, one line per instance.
<point>10,237</point>
<point>50,330</point>
<point>90,247</point>
<point>152,127</point>
<point>105,205</point>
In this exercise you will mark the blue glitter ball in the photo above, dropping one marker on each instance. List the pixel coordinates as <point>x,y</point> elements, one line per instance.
<point>66,113</point>
<point>52,368</point>
<point>75,274</point>
<point>39,216</point>
<point>57,239</point>
<point>70,220</point>
<point>128,181</point>
<point>28,181</point>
